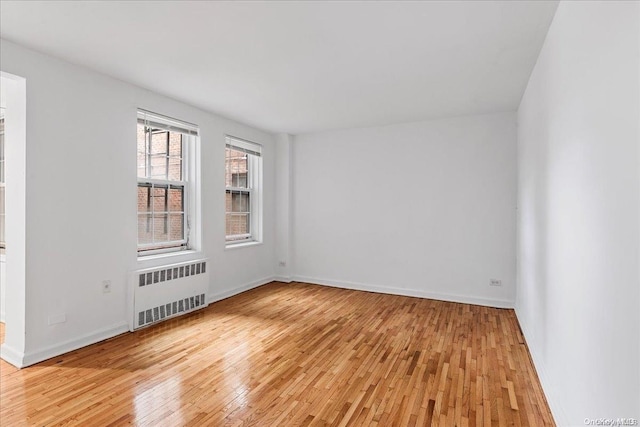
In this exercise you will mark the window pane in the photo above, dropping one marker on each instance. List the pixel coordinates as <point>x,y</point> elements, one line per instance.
<point>142,152</point>
<point>159,141</point>
<point>158,167</point>
<point>144,200</point>
<point>144,229</point>
<point>237,224</point>
<point>239,180</point>
<point>176,226</point>
<point>236,163</point>
<point>159,195</point>
<point>175,144</point>
<point>160,227</point>
<point>240,202</point>
<point>176,199</point>
<point>175,169</point>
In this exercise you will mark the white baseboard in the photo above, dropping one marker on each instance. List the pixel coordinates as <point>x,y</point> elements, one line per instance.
<point>557,410</point>
<point>2,317</point>
<point>407,292</point>
<point>11,356</point>
<point>21,360</point>
<point>238,289</point>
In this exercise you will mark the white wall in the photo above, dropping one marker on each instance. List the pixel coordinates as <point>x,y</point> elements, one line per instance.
<point>579,213</point>
<point>3,273</point>
<point>3,281</point>
<point>81,200</point>
<point>425,209</point>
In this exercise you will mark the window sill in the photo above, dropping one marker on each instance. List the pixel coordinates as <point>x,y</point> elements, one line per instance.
<point>241,245</point>
<point>157,260</point>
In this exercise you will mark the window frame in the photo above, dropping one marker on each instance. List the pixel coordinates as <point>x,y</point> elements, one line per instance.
<point>189,139</point>
<point>253,151</point>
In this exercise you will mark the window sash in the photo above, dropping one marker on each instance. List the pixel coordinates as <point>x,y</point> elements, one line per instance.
<point>152,214</point>
<point>236,237</point>
<point>161,160</point>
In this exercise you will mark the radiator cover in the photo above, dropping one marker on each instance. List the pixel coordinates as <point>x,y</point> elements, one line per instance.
<point>161,293</point>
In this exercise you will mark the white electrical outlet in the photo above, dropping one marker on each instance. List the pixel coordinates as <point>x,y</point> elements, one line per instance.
<point>283,263</point>
<point>106,286</point>
<point>495,282</point>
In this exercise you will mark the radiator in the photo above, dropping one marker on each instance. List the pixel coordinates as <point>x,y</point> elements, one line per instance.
<point>172,290</point>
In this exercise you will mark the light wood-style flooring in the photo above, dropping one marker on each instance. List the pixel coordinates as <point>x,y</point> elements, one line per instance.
<point>292,355</point>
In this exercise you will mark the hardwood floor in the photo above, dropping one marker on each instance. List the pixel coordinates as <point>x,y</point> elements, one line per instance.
<point>291,355</point>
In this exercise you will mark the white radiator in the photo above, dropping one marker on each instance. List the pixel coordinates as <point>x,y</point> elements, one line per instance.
<point>168,291</point>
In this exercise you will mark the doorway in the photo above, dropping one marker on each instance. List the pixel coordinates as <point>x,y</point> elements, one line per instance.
<point>3,247</point>
<point>13,149</point>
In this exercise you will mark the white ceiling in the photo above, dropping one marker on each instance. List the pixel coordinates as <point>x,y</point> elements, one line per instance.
<point>301,67</point>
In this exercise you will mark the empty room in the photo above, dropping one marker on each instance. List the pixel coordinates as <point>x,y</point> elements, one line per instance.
<point>345,213</point>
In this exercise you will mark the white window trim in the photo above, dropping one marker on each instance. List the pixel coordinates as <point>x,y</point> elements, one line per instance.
<point>255,189</point>
<point>191,193</point>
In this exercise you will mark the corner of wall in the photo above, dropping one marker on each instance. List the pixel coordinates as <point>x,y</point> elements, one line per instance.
<point>211,298</point>
<point>551,395</point>
<point>32,357</point>
<point>465,299</point>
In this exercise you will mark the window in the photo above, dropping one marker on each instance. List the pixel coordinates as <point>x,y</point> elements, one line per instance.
<point>165,149</point>
<point>243,182</point>
<point>2,186</point>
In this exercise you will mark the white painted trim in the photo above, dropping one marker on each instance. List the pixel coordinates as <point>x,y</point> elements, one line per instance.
<point>211,298</point>
<point>170,258</point>
<point>407,292</point>
<point>2,316</point>
<point>553,399</point>
<point>37,356</point>
<point>285,279</point>
<point>230,246</point>
<point>11,356</point>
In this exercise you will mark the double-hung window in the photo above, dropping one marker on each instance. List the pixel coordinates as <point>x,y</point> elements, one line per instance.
<point>164,188</point>
<point>243,187</point>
